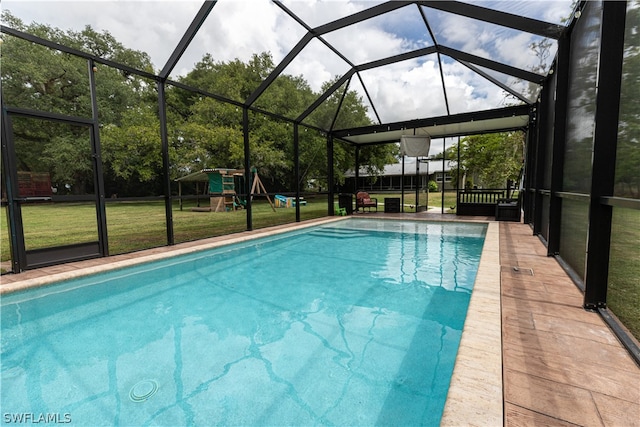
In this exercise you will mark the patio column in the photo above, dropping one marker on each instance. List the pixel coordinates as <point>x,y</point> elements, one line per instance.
<point>14,213</point>
<point>444,175</point>
<point>559,141</point>
<point>296,163</point>
<point>168,201</point>
<point>357,169</point>
<point>535,164</point>
<point>330,175</point>
<point>604,153</point>
<point>247,166</point>
<point>99,174</point>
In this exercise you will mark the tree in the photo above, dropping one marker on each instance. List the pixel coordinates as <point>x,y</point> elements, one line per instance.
<point>628,150</point>
<point>209,133</point>
<point>271,140</point>
<point>203,132</point>
<point>488,160</point>
<point>39,78</point>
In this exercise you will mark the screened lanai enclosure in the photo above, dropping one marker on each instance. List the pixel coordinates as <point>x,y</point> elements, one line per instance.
<point>106,106</point>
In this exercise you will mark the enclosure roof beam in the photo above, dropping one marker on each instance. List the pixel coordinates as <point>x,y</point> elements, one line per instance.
<point>504,19</point>
<point>197,22</point>
<point>66,49</point>
<point>236,103</point>
<point>517,110</point>
<point>373,64</point>
<point>493,65</point>
<point>45,115</point>
<point>344,94</point>
<point>308,28</point>
<point>397,58</point>
<point>375,111</point>
<point>363,15</point>
<point>497,82</point>
<point>435,42</point>
<point>280,68</point>
<point>318,31</point>
<point>326,95</point>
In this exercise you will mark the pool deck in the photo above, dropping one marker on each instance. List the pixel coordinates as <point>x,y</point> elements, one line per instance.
<point>529,355</point>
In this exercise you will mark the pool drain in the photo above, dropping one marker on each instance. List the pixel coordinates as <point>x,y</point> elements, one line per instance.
<point>143,390</point>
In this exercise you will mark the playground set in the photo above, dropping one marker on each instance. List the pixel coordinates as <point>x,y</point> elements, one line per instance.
<point>221,189</point>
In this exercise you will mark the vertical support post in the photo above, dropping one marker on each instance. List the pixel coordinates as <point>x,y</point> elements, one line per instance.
<point>402,186</point>
<point>14,212</point>
<point>417,183</point>
<point>355,189</point>
<point>296,163</point>
<point>458,177</point>
<point>604,152</point>
<point>247,166</point>
<point>533,170</point>
<point>101,209</point>
<point>444,175</point>
<point>559,142</point>
<point>536,149</point>
<point>330,175</point>
<point>164,136</point>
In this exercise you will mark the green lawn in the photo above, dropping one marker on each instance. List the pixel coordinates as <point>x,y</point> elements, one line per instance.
<point>623,293</point>
<point>134,226</point>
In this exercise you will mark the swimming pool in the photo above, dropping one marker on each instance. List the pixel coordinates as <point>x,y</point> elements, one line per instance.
<point>355,322</point>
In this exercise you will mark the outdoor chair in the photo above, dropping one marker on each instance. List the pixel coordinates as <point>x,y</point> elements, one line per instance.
<point>364,201</point>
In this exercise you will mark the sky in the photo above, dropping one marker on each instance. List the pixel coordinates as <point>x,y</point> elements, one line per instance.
<point>240,28</point>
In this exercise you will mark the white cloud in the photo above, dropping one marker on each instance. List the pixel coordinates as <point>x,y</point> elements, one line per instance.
<point>319,12</point>
<point>240,28</point>
<point>154,27</point>
<point>515,51</point>
<point>363,43</point>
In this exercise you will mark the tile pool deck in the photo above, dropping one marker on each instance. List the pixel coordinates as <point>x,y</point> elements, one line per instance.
<point>529,355</point>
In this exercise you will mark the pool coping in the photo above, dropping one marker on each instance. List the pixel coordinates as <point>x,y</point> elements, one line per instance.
<point>475,396</point>
<point>141,258</point>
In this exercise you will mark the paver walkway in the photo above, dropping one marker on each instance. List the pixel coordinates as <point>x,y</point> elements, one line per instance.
<point>562,365</point>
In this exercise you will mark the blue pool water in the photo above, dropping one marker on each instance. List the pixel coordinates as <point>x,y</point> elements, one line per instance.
<point>355,322</point>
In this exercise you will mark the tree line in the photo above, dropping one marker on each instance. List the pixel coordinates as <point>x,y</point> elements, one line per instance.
<point>203,132</point>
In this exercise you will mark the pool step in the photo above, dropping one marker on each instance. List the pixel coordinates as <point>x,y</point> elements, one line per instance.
<point>337,233</point>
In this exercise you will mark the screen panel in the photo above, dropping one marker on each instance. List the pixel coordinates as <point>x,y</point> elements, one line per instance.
<point>627,178</point>
<point>573,234</point>
<point>623,290</point>
<point>584,56</point>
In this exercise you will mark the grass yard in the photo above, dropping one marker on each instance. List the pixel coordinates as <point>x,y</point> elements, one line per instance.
<point>434,201</point>
<point>623,293</point>
<point>133,226</point>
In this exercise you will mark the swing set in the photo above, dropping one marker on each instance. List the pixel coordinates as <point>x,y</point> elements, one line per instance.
<point>221,189</point>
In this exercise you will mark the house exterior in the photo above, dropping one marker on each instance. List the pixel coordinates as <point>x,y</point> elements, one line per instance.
<point>391,178</point>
